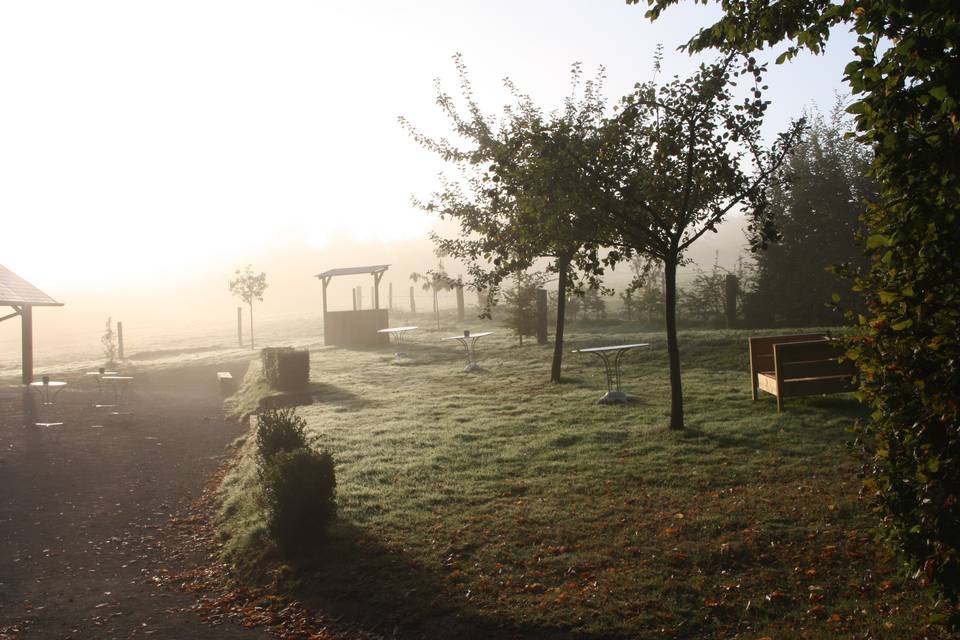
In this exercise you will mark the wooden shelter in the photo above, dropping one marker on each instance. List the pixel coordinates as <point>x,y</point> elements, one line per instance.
<point>22,297</point>
<point>358,327</point>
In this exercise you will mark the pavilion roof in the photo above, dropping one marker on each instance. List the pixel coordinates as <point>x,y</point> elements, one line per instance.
<point>15,291</point>
<point>352,271</point>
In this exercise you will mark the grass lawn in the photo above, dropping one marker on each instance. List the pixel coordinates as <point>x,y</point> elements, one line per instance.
<point>497,501</point>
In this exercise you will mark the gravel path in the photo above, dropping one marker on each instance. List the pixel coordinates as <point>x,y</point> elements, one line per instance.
<point>83,508</point>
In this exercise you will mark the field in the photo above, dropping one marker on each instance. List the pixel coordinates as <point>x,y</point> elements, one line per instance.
<point>495,502</point>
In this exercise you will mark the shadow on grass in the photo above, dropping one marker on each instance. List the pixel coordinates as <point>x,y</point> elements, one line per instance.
<point>804,420</point>
<point>366,587</point>
<point>316,393</point>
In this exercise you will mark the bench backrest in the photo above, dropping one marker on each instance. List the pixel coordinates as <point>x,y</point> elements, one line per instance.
<point>811,359</point>
<point>761,349</point>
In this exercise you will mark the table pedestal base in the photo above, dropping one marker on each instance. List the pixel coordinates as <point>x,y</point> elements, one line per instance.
<point>472,367</point>
<point>614,397</point>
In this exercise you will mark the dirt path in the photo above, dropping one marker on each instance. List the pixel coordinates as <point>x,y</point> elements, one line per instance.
<point>83,507</point>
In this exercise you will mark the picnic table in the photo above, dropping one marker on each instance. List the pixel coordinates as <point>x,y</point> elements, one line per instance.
<point>614,394</point>
<point>48,390</point>
<point>469,342</point>
<point>119,386</point>
<point>397,334</point>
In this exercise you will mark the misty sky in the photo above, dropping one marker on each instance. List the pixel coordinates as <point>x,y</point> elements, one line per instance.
<point>140,142</point>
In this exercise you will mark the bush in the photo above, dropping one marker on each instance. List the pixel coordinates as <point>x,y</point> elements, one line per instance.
<point>286,368</point>
<point>279,431</point>
<point>299,488</point>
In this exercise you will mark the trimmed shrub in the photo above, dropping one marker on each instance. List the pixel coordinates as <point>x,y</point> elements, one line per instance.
<point>278,432</point>
<point>299,488</point>
<point>286,368</point>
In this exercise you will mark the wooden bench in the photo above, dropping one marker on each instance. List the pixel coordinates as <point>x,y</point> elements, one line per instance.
<point>225,380</point>
<point>798,365</point>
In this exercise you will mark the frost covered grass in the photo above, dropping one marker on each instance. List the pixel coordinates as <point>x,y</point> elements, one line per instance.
<point>499,501</point>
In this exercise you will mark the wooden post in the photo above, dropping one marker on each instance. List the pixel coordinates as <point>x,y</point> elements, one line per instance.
<point>373,297</point>
<point>460,309</point>
<point>325,281</point>
<point>120,340</point>
<point>239,326</point>
<point>377,277</point>
<point>541,316</point>
<point>390,296</point>
<point>732,288</point>
<point>354,291</point>
<point>26,333</point>
<point>413,303</point>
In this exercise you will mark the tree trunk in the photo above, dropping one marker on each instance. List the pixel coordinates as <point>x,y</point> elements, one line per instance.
<point>251,326</point>
<point>563,267</point>
<point>673,349</point>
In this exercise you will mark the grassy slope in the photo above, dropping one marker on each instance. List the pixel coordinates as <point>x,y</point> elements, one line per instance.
<point>503,500</point>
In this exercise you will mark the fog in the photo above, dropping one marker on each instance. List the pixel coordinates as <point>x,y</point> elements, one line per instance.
<point>198,309</point>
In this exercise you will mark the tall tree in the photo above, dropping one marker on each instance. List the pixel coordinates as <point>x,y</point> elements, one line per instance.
<point>678,158</point>
<point>905,74</point>
<point>520,196</point>
<point>249,286</point>
<point>817,209</point>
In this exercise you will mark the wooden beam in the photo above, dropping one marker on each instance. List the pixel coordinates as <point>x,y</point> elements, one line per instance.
<point>12,315</point>
<point>26,334</point>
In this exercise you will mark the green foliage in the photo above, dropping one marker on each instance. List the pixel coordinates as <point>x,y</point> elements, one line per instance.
<point>817,208</point>
<point>279,431</point>
<point>109,342</point>
<point>906,75</point>
<point>435,281</point>
<point>679,156</point>
<point>594,306</point>
<point>704,300</point>
<point>520,304</point>
<point>523,190</point>
<point>286,368</point>
<point>299,488</point>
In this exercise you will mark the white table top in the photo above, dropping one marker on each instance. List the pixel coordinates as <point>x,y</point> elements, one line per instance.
<point>105,373</point>
<point>396,329</point>
<point>118,378</point>
<point>51,383</point>
<point>472,335</point>
<point>617,347</point>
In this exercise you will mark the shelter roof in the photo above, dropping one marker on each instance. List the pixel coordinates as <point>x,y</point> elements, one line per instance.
<point>352,271</point>
<point>14,290</point>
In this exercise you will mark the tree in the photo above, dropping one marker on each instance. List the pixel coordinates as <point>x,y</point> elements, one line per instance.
<point>675,161</point>
<point>435,281</point>
<point>594,306</point>
<point>249,287</point>
<point>905,74</point>
<point>817,206</point>
<point>521,196</point>
<point>521,303</point>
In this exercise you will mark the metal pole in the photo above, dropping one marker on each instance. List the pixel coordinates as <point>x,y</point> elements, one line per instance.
<point>354,290</point>
<point>390,296</point>
<point>460,309</point>
<point>120,340</point>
